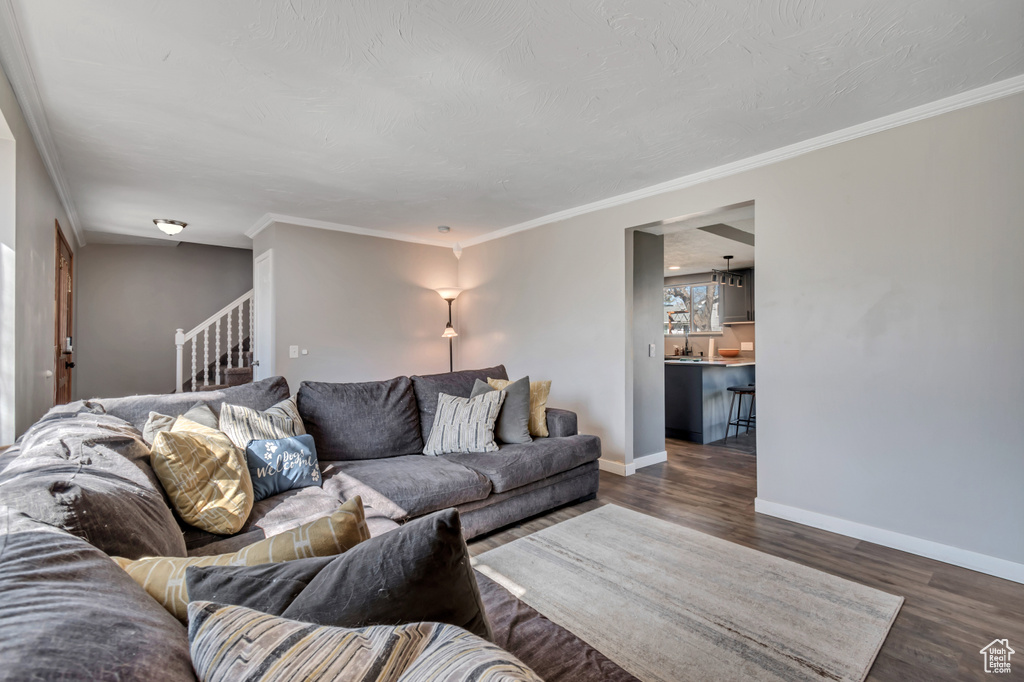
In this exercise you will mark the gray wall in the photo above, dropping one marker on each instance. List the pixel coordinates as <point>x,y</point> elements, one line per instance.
<point>364,307</point>
<point>37,205</point>
<point>647,327</point>
<point>874,403</point>
<point>130,301</point>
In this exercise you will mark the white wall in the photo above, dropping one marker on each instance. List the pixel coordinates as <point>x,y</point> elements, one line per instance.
<point>131,299</point>
<point>37,206</point>
<point>880,262</point>
<point>364,307</point>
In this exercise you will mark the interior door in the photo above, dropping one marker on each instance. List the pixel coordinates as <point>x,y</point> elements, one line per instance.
<point>63,348</point>
<point>263,316</point>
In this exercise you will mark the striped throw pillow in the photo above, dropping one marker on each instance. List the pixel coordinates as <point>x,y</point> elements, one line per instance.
<point>235,643</point>
<point>464,424</point>
<point>244,424</point>
<point>163,578</point>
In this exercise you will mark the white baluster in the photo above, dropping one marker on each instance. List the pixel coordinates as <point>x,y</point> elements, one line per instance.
<point>206,357</point>
<point>194,387</point>
<point>179,370</point>
<point>230,363</point>
<point>216,355</point>
<point>241,362</point>
<point>252,337</point>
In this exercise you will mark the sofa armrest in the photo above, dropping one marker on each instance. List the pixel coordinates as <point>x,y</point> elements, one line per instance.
<point>561,423</point>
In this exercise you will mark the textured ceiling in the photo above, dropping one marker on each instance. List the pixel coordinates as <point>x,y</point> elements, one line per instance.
<point>401,116</point>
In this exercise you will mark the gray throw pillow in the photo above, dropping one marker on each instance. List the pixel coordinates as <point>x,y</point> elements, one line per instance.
<point>513,425</point>
<point>200,413</point>
<point>419,572</point>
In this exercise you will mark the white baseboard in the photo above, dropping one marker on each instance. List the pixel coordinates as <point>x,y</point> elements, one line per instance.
<point>983,563</point>
<point>648,460</point>
<point>630,469</point>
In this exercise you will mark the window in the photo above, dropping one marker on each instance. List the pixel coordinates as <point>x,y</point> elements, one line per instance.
<point>692,309</point>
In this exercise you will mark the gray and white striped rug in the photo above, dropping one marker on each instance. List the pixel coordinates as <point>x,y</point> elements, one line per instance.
<point>669,603</point>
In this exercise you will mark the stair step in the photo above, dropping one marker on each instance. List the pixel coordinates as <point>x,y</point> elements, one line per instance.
<point>236,376</point>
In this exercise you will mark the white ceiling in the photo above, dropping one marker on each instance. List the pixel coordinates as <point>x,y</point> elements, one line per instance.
<point>400,116</point>
<point>694,250</point>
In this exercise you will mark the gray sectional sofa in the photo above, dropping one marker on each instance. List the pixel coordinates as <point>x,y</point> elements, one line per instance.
<point>78,488</point>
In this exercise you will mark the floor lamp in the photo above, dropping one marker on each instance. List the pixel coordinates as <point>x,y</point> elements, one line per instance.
<point>449,294</point>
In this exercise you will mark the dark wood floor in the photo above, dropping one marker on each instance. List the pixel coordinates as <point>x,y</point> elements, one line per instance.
<point>950,613</point>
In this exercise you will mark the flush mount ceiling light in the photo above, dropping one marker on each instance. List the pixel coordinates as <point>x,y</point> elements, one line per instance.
<point>444,229</point>
<point>169,227</point>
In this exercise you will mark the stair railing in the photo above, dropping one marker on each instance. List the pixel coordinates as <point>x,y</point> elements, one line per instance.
<point>235,310</point>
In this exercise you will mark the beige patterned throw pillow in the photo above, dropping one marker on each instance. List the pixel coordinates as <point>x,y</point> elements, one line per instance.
<point>243,424</point>
<point>164,577</point>
<point>204,475</point>
<point>230,643</point>
<point>539,391</point>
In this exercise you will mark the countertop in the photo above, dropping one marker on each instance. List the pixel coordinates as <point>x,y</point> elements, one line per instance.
<point>717,362</point>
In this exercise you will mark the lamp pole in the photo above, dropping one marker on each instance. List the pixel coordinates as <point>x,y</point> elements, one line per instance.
<point>451,353</point>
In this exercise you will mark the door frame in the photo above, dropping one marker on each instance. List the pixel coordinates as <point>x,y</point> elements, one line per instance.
<point>57,292</point>
<point>265,356</point>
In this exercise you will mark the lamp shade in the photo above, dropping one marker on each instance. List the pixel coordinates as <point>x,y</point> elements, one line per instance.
<point>449,331</point>
<point>449,293</point>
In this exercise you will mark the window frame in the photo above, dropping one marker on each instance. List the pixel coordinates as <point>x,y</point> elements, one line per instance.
<point>690,285</point>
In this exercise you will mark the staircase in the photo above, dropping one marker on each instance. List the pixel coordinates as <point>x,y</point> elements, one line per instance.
<point>232,325</point>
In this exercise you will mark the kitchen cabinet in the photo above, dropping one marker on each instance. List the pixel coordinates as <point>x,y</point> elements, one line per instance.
<point>737,303</point>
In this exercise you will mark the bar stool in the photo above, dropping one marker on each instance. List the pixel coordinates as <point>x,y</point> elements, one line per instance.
<point>740,420</point>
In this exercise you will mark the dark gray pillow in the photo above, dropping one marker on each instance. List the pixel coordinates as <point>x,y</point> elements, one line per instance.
<point>70,613</point>
<point>135,409</point>
<point>361,421</point>
<point>460,384</point>
<point>419,572</point>
<point>90,475</point>
<point>513,425</point>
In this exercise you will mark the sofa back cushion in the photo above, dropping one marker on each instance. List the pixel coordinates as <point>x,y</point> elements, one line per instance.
<point>68,612</point>
<point>361,421</point>
<point>135,409</point>
<point>90,476</point>
<point>459,384</point>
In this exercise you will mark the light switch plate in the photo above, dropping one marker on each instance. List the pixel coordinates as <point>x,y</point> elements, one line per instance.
<point>651,350</point>
<point>293,351</point>
<point>746,345</point>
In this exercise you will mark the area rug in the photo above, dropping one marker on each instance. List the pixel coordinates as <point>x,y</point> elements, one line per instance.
<point>669,603</point>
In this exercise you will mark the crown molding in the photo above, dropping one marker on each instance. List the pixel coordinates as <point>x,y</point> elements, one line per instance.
<point>14,58</point>
<point>1004,88</point>
<point>269,219</point>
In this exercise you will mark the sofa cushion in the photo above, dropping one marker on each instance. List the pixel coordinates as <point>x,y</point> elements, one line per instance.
<point>465,424</point>
<point>89,475</point>
<point>460,384</point>
<point>513,425</point>
<point>63,614</point>
<point>403,487</point>
<point>205,475</point>
<point>234,643</point>
<point>200,413</point>
<point>361,421</point>
<point>135,409</point>
<point>164,577</point>
<point>279,514</point>
<point>243,424</point>
<point>423,568</point>
<point>516,465</point>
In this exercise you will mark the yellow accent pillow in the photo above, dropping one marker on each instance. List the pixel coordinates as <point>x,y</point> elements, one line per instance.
<point>539,391</point>
<point>205,476</point>
<point>164,577</point>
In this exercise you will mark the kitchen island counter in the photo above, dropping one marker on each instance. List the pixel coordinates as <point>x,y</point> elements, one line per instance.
<point>697,396</point>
